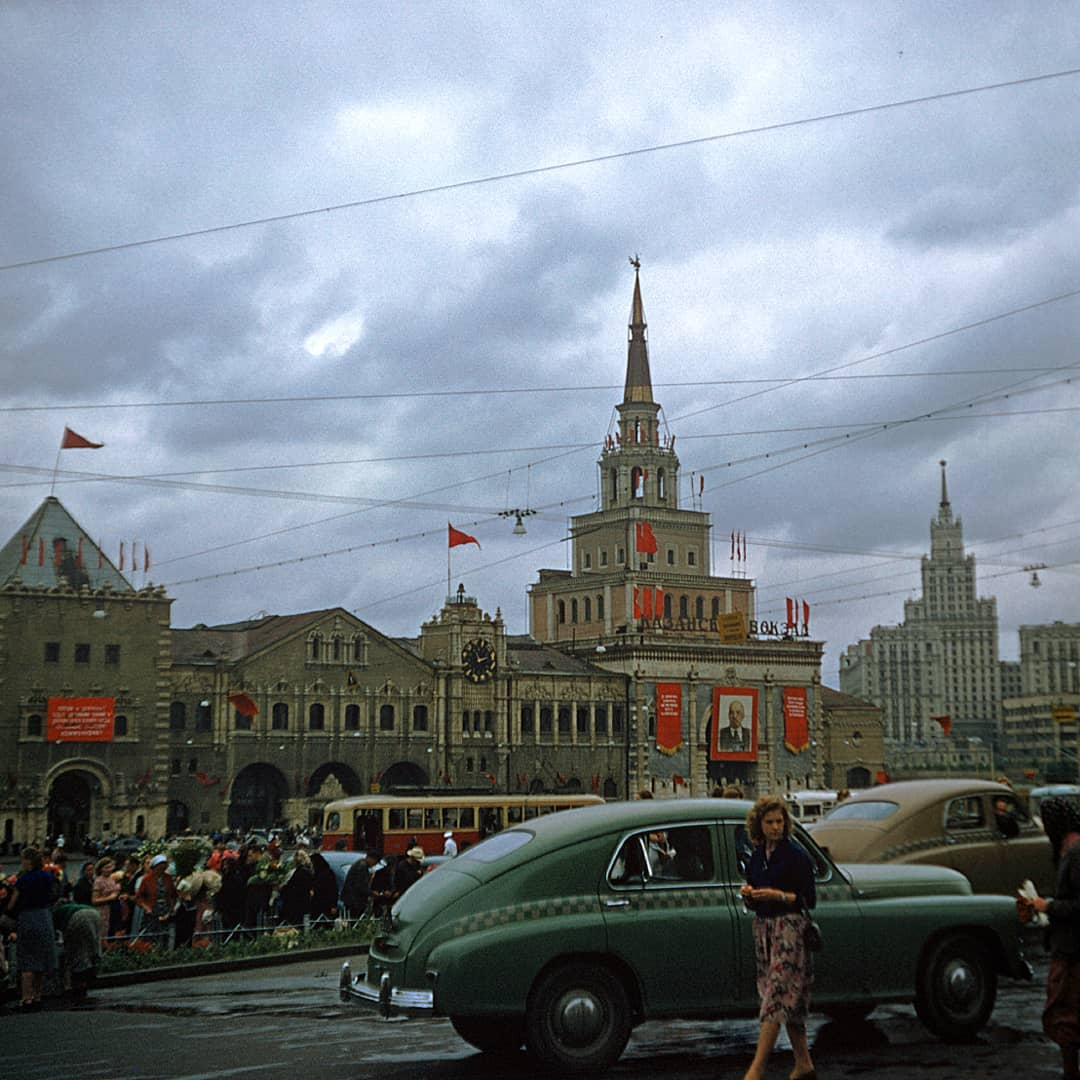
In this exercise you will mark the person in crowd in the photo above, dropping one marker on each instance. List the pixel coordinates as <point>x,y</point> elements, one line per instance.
<point>780,890</point>
<point>106,890</point>
<point>324,898</point>
<point>216,856</point>
<point>82,892</point>
<point>80,927</point>
<point>157,898</point>
<point>59,870</point>
<point>732,791</point>
<point>256,891</point>
<point>382,886</point>
<point>296,893</point>
<point>230,898</point>
<point>1061,1016</point>
<point>30,901</point>
<point>356,891</point>
<point>449,847</point>
<point>128,884</point>
<point>1005,819</point>
<point>408,871</point>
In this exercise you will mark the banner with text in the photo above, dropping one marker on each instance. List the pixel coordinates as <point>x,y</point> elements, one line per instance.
<point>669,738</point>
<point>80,719</point>
<point>796,721</point>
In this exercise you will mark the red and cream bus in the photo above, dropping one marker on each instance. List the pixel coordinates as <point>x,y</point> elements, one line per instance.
<point>388,823</point>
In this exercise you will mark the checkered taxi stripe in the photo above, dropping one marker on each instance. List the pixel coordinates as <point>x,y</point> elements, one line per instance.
<point>977,836</point>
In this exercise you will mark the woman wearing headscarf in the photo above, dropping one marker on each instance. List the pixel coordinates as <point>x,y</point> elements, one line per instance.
<point>296,893</point>
<point>780,890</point>
<point>1061,1016</point>
<point>35,943</point>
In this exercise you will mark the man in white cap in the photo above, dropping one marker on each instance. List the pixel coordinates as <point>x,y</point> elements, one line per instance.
<point>449,844</point>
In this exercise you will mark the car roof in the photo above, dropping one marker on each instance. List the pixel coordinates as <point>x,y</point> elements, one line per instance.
<point>912,796</point>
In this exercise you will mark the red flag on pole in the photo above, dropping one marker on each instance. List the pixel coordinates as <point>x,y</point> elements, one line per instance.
<point>945,722</point>
<point>457,537</point>
<point>72,440</point>
<point>146,559</point>
<point>658,603</point>
<point>100,555</point>
<point>646,602</point>
<point>805,613</point>
<point>25,549</point>
<point>644,540</point>
<point>790,612</point>
<point>243,704</point>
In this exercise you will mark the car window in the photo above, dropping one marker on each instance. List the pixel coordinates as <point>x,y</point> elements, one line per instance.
<point>822,869</point>
<point>660,857</point>
<point>863,811</point>
<point>965,813</point>
<point>496,847</point>
<point>1014,808</point>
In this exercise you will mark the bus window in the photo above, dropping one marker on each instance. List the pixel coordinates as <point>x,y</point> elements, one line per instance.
<point>431,817</point>
<point>415,817</point>
<point>547,810</point>
<point>333,822</point>
<point>450,817</point>
<point>397,817</point>
<point>530,812</point>
<point>513,815</point>
<point>468,817</point>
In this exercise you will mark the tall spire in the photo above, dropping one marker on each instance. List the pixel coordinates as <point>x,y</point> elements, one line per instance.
<point>944,510</point>
<point>638,379</point>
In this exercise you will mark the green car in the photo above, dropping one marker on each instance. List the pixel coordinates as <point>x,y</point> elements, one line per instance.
<point>567,931</point>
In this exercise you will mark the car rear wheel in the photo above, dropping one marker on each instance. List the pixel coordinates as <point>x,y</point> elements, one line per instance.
<point>491,1034</point>
<point>578,1018</point>
<point>957,988</point>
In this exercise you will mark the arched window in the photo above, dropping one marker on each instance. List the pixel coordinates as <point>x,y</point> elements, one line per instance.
<point>204,717</point>
<point>583,720</point>
<point>614,486</point>
<point>699,608</point>
<point>386,718</point>
<point>120,726</point>
<point>527,725</point>
<point>337,647</point>
<point>465,721</point>
<point>352,717</point>
<point>637,483</point>
<point>661,484</point>
<point>419,718</point>
<point>317,716</point>
<point>489,720</point>
<point>562,611</point>
<point>573,611</point>
<point>667,605</point>
<point>588,609</point>
<point>316,647</point>
<point>545,719</point>
<point>684,607</point>
<point>476,720</point>
<point>600,606</point>
<point>564,720</point>
<point>715,606</point>
<point>177,716</point>
<point>279,716</point>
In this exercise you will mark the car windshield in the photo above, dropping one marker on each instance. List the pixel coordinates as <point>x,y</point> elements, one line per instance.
<point>498,846</point>
<point>862,811</point>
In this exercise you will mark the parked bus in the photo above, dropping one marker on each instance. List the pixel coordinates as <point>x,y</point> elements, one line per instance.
<point>387,823</point>
<point>809,806</point>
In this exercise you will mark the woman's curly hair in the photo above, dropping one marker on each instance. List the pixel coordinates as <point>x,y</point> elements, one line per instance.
<point>766,805</point>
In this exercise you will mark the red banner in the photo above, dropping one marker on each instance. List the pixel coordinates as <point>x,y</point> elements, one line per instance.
<point>669,738</point>
<point>77,719</point>
<point>796,720</point>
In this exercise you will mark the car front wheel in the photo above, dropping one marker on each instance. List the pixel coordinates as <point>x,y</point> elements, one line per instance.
<point>578,1018</point>
<point>957,988</point>
<point>491,1034</point>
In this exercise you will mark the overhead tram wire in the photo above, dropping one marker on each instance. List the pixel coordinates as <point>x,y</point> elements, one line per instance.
<point>541,170</point>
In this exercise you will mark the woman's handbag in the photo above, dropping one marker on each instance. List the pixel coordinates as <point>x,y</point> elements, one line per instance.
<point>812,936</point>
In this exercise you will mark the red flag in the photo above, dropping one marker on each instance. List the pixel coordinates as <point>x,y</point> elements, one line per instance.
<point>1029,774</point>
<point>805,613</point>
<point>146,559</point>
<point>945,722</point>
<point>644,541</point>
<point>881,777</point>
<point>701,485</point>
<point>25,549</point>
<point>790,615</point>
<point>738,546</point>
<point>658,603</point>
<point>73,441</point>
<point>646,603</point>
<point>457,537</point>
<point>677,780</point>
<point>58,551</point>
<point>637,602</point>
<point>243,704</point>
<point>100,555</point>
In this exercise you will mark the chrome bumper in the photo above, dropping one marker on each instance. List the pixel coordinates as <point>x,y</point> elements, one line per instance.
<point>389,1000</point>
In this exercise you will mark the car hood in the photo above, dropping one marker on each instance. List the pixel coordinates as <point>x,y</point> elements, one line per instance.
<point>875,881</point>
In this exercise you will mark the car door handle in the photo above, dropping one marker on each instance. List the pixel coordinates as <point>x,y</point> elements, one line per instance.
<point>616,903</point>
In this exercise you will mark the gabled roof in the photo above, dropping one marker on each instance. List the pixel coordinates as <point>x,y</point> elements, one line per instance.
<point>532,658</point>
<point>52,545</point>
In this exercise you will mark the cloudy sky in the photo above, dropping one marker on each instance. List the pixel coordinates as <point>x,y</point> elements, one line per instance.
<point>293,408</point>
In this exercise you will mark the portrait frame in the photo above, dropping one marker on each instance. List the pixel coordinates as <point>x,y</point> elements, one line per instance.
<point>723,698</point>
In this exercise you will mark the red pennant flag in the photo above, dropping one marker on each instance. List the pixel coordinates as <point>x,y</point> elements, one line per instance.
<point>881,777</point>
<point>74,441</point>
<point>146,559</point>
<point>658,603</point>
<point>646,603</point>
<point>41,551</point>
<point>243,704</point>
<point>457,537</point>
<point>701,486</point>
<point>100,555</point>
<point>805,613</point>
<point>644,540</point>
<point>945,722</point>
<point>25,550</point>
<point>790,616</point>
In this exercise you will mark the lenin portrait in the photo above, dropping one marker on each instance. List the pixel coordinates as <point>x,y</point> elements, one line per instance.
<point>734,724</point>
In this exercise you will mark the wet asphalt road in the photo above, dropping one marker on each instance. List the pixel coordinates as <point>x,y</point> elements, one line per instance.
<point>287,1021</point>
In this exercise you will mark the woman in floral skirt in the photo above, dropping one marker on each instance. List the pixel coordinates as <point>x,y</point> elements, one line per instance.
<point>780,890</point>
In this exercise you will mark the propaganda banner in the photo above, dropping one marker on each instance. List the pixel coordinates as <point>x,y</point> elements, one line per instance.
<point>734,721</point>
<point>669,738</point>
<point>796,720</point>
<point>79,719</point>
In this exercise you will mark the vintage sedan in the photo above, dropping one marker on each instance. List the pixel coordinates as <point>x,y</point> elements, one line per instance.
<point>956,823</point>
<point>566,931</point>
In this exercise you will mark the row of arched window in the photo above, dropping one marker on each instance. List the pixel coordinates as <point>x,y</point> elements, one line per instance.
<point>639,479</point>
<point>580,610</point>
<point>280,718</point>
<point>338,649</point>
<point>605,720</point>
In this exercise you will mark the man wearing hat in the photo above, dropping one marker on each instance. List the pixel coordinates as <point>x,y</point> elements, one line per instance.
<point>449,844</point>
<point>408,870</point>
<point>156,896</point>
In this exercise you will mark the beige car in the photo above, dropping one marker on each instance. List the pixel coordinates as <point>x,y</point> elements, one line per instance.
<point>975,826</point>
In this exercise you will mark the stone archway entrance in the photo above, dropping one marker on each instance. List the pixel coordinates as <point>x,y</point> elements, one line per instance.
<point>71,798</point>
<point>258,793</point>
<point>403,774</point>
<point>331,771</point>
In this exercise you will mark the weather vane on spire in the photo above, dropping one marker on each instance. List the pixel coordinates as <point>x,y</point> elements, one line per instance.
<point>635,262</point>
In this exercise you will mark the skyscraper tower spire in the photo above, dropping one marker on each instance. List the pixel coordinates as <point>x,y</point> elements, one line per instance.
<point>638,379</point>
<point>944,509</point>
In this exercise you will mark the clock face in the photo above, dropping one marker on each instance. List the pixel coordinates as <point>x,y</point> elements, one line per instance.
<point>478,660</point>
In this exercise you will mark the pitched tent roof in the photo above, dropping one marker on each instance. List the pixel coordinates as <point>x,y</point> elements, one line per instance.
<point>47,548</point>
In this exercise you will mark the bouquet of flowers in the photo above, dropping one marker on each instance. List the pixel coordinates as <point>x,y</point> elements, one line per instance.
<point>188,853</point>
<point>200,884</point>
<point>151,848</point>
<point>272,873</point>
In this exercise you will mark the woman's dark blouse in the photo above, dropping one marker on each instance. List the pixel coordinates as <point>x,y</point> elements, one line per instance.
<point>35,889</point>
<point>789,869</point>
